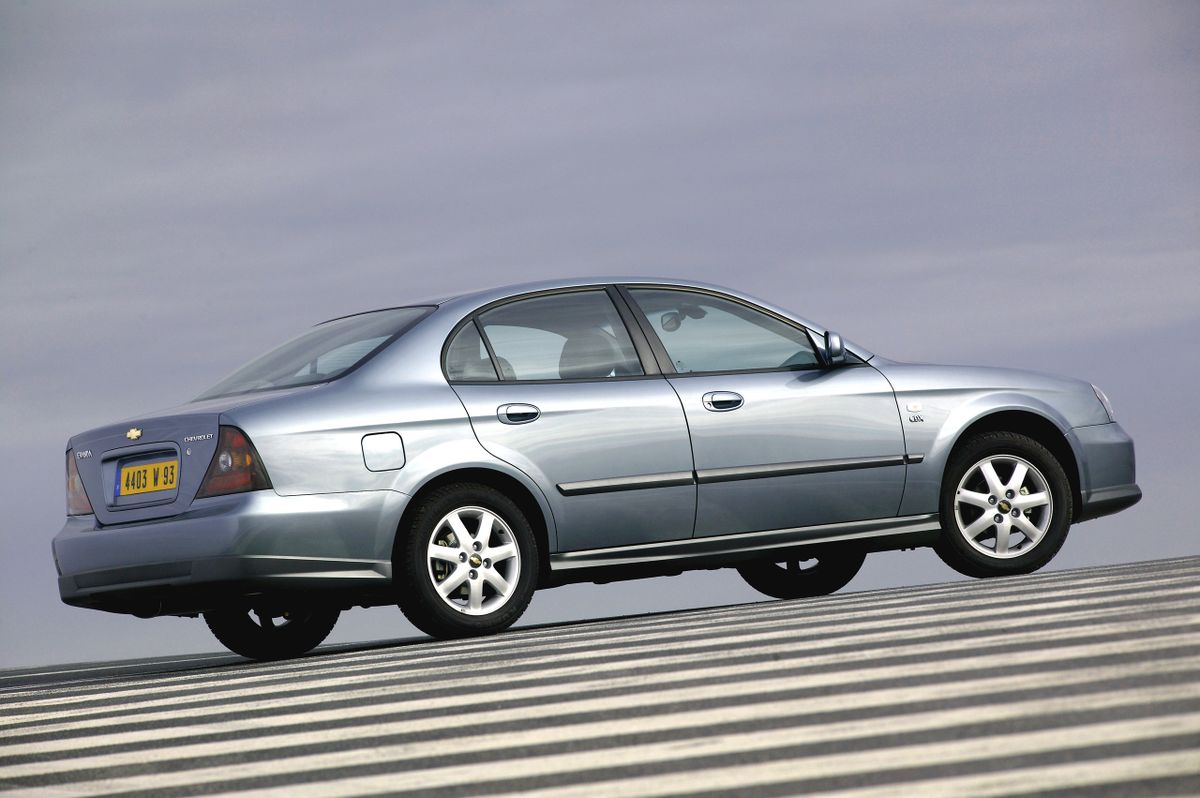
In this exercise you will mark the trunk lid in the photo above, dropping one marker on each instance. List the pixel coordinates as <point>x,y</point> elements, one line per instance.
<point>125,467</point>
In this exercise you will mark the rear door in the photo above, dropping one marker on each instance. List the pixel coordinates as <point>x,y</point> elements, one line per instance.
<point>555,385</point>
<point>779,441</point>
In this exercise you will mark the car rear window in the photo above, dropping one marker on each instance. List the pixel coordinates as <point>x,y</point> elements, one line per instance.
<point>324,353</point>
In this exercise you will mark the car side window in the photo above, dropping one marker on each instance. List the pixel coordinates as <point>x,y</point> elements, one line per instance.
<point>570,336</point>
<point>467,359</point>
<point>704,333</point>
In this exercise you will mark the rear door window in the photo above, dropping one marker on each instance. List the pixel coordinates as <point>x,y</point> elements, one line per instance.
<point>566,336</point>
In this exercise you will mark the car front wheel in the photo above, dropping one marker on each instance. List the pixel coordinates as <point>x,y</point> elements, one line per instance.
<point>816,573</point>
<point>468,564</point>
<point>1005,506</point>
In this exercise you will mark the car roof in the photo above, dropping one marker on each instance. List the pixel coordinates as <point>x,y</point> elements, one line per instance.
<point>484,296</point>
<point>502,291</point>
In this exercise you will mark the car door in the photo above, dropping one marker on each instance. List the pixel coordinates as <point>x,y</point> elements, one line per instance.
<point>779,440</point>
<point>554,385</point>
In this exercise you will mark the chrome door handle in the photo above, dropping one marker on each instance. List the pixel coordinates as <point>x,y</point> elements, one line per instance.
<point>722,401</point>
<point>517,413</point>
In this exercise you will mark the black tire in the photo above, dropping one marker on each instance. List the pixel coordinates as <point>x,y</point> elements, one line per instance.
<point>1027,555</point>
<point>415,577</point>
<point>270,634</point>
<point>816,573</point>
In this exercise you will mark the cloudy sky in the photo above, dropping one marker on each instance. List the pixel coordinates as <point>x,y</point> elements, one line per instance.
<point>184,185</point>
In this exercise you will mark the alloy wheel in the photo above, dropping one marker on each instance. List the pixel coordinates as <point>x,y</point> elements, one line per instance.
<point>474,562</point>
<point>1003,506</point>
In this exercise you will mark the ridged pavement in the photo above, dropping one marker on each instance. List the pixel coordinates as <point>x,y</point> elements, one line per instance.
<point>1082,682</point>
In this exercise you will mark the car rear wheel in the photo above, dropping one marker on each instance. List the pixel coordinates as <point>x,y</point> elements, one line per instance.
<point>818,573</point>
<point>265,633</point>
<point>467,565</point>
<point>1005,506</point>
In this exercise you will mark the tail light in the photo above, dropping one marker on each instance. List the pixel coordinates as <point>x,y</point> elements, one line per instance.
<point>235,467</point>
<point>77,500</point>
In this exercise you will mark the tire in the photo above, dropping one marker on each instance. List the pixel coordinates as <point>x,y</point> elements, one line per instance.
<point>483,594</point>
<point>816,573</point>
<point>1030,531</point>
<point>264,634</point>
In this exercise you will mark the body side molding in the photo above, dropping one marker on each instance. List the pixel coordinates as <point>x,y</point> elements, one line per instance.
<point>709,475</point>
<point>667,480</point>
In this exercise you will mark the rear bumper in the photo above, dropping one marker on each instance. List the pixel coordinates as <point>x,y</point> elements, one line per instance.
<point>331,547</point>
<point>1108,470</point>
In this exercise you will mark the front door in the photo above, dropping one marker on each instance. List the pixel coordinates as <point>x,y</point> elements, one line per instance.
<point>779,440</point>
<point>555,387</point>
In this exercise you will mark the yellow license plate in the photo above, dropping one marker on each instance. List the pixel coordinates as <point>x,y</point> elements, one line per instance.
<point>148,477</point>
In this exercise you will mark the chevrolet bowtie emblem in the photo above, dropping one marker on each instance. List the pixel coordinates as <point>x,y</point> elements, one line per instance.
<point>133,434</point>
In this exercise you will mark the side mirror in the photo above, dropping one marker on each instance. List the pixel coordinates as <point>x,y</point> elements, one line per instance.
<point>835,351</point>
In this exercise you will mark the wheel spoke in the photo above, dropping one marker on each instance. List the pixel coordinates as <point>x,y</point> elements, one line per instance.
<point>1031,501</point>
<point>1018,477</point>
<point>993,479</point>
<point>979,526</point>
<point>475,601</point>
<point>497,581</point>
<point>1027,527</point>
<point>460,530</point>
<point>501,553</point>
<point>1002,534</point>
<point>486,520</point>
<point>443,553</point>
<point>452,582</point>
<point>974,499</point>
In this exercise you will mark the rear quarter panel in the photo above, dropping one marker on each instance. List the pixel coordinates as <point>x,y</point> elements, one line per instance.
<point>312,444</point>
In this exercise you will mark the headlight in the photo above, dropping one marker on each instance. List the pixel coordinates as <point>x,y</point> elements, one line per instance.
<point>1104,401</point>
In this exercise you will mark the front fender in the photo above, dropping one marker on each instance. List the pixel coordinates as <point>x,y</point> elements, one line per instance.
<point>944,417</point>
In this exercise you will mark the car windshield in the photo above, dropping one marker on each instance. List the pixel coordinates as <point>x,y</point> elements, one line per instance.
<point>323,353</point>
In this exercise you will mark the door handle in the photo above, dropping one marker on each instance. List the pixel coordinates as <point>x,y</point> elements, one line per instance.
<point>722,401</point>
<point>517,413</point>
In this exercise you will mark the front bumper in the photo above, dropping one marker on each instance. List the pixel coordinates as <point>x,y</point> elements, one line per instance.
<point>1108,470</point>
<point>228,549</point>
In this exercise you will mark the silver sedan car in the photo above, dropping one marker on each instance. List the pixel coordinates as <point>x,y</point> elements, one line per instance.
<point>453,456</point>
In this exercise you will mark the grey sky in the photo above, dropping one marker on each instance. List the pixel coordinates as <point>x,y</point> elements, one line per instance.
<point>1012,184</point>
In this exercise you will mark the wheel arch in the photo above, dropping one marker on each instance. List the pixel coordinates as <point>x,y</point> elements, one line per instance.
<point>507,484</point>
<point>1036,426</point>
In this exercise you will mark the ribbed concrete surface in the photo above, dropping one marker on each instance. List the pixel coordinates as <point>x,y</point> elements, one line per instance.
<point>1082,682</point>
